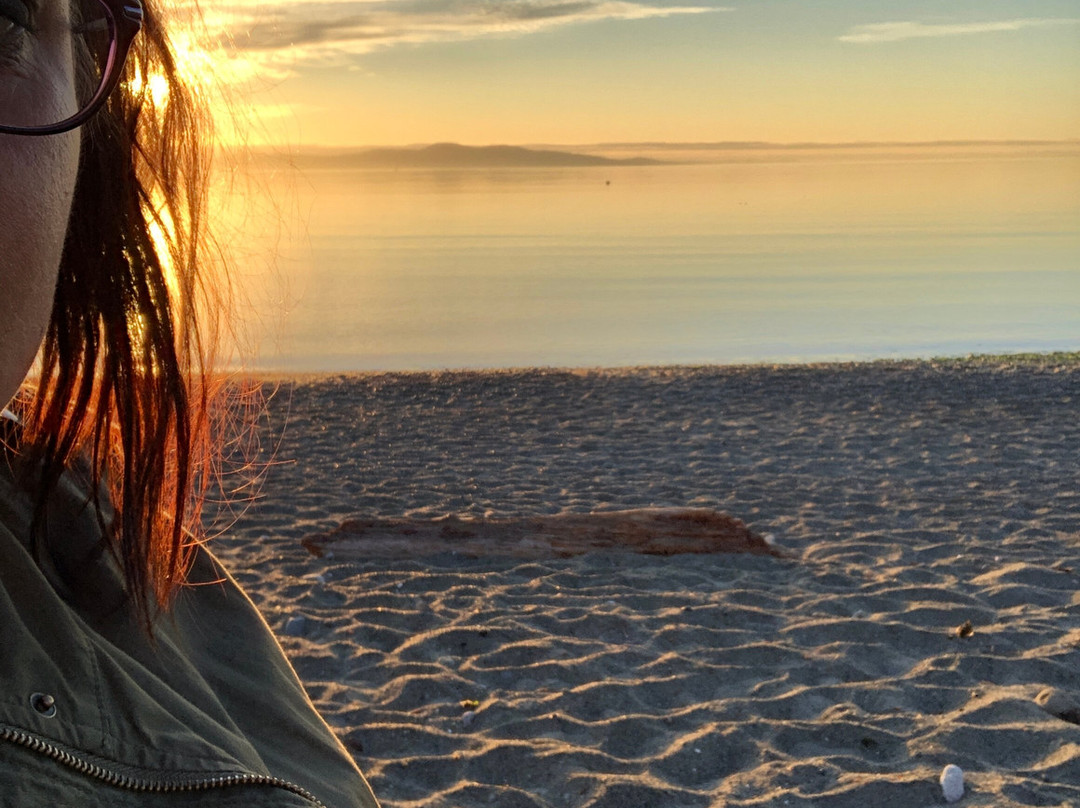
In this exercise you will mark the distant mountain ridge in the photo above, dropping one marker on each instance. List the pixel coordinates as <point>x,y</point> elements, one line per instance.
<point>454,155</point>
<point>457,156</point>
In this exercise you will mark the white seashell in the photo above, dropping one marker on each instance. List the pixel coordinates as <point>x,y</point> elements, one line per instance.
<point>952,783</point>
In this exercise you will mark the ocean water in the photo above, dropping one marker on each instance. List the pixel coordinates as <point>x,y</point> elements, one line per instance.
<point>846,254</point>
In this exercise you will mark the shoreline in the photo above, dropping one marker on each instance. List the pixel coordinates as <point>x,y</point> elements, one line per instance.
<point>911,497</point>
<point>978,360</point>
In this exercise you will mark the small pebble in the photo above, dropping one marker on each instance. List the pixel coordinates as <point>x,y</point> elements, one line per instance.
<point>295,625</point>
<point>952,783</point>
<point>467,717</point>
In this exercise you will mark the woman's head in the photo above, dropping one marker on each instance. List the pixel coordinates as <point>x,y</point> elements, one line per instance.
<point>100,241</point>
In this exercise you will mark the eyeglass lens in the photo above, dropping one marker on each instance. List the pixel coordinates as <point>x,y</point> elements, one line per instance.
<point>53,59</point>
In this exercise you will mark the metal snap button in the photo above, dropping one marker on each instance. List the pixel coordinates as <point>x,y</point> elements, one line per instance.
<point>43,704</point>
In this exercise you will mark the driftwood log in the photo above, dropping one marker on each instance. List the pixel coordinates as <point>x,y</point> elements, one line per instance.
<point>652,531</point>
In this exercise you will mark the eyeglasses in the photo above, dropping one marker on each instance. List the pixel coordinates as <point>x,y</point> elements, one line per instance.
<point>60,59</point>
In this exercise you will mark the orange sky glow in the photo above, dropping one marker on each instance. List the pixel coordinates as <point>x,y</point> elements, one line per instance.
<point>389,72</point>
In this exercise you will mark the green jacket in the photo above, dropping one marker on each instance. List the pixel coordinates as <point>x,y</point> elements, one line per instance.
<point>94,714</point>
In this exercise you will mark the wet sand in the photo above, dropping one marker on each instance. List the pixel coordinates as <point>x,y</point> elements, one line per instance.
<point>927,611</point>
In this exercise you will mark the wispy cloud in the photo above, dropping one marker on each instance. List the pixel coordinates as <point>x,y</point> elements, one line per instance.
<point>896,31</point>
<point>329,31</point>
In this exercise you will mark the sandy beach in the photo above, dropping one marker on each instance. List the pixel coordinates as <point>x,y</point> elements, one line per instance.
<point>926,610</point>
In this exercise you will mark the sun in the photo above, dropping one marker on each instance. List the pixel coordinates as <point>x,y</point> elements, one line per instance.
<point>157,85</point>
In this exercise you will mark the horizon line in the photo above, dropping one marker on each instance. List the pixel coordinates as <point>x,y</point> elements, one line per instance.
<point>682,145</point>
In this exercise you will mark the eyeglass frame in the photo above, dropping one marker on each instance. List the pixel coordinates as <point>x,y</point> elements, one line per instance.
<point>125,18</point>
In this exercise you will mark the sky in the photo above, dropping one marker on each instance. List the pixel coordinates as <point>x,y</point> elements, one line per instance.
<point>395,72</point>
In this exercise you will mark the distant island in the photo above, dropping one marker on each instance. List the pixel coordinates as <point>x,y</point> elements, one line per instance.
<point>454,155</point>
<point>458,156</point>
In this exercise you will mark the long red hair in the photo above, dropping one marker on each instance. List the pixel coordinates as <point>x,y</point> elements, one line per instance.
<point>124,364</point>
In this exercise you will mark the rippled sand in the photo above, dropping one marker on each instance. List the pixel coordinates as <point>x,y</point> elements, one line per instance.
<point>911,498</point>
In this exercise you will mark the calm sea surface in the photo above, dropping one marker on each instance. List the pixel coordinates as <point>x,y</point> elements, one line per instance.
<point>848,256</point>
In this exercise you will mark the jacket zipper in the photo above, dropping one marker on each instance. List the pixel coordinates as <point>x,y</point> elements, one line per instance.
<point>194,782</point>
